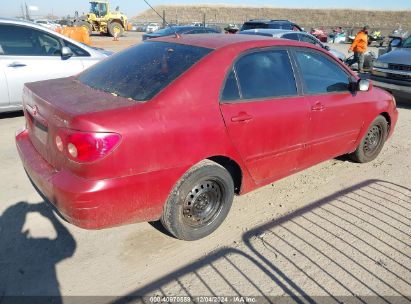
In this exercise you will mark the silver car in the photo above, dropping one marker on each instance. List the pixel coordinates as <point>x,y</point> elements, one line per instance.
<point>31,52</point>
<point>294,35</point>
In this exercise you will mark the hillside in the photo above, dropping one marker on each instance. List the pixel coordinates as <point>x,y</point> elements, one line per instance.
<point>307,18</point>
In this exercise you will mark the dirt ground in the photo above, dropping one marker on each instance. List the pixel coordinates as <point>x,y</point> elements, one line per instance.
<point>338,231</point>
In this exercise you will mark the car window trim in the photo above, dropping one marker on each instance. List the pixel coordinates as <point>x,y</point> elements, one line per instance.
<point>325,55</point>
<point>257,50</point>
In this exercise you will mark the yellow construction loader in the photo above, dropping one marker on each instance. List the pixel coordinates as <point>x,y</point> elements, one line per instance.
<point>101,19</point>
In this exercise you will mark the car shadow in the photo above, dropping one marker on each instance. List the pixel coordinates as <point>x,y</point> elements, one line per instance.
<point>350,246</point>
<point>28,264</point>
<point>11,114</point>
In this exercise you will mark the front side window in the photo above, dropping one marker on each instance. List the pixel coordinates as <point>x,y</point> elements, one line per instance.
<point>321,75</point>
<point>144,70</point>
<point>306,38</point>
<point>24,41</point>
<point>265,74</point>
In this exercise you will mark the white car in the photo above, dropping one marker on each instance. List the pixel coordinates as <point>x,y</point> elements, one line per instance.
<point>152,27</point>
<point>48,24</point>
<point>30,52</point>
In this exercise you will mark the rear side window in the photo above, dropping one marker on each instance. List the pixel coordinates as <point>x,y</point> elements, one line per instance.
<point>291,36</point>
<point>321,75</point>
<point>265,74</point>
<point>142,71</point>
<point>230,91</point>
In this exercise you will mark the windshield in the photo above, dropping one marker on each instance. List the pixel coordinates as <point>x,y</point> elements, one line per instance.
<point>94,7</point>
<point>407,43</point>
<point>142,71</point>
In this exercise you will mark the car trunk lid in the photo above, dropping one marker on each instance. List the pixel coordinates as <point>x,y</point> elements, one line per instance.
<point>55,104</point>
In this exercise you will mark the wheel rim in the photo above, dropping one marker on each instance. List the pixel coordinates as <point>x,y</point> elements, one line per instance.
<point>203,203</point>
<point>116,30</point>
<point>372,140</point>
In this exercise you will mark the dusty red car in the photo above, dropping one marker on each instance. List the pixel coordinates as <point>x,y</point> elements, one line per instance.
<point>173,128</point>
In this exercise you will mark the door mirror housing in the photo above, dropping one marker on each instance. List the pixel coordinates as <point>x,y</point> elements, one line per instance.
<point>66,53</point>
<point>326,47</point>
<point>364,85</point>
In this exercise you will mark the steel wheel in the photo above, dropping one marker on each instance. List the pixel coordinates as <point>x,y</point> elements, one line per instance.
<point>372,140</point>
<point>203,204</point>
<point>199,202</point>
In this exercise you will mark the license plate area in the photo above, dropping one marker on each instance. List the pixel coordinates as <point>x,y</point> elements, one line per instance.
<point>40,131</point>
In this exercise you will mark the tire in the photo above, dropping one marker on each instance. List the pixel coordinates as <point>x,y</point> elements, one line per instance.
<point>199,202</point>
<point>372,142</point>
<point>115,27</point>
<point>85,25</point>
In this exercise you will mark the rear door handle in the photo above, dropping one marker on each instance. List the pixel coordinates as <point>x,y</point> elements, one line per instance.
<point>16,65</point>
<point>318,106</point>
<point>241,117</point>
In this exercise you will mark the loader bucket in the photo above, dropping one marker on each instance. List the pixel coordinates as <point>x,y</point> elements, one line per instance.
<point>79,34</point>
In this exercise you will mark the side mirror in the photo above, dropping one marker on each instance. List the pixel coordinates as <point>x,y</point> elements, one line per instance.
<point>363,85</point>
<point>326,47</point>
<point>66,53</point>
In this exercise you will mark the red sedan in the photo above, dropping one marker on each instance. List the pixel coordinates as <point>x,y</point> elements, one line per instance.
<point>173,128</point>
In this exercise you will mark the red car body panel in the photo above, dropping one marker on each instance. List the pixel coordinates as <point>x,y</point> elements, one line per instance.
<point>184,124</point>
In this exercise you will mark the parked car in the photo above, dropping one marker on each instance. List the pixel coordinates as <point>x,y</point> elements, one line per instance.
<point>48,24</point>
<point>173,128</point>
<point>152,27</point>
<point>271,24</point>
<point>299,36</point>
<point>181,30</point>
<point>392,71</point>
<point>30,52</point>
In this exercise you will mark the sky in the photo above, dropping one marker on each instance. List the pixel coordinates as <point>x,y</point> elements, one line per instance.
<point>133,7</point>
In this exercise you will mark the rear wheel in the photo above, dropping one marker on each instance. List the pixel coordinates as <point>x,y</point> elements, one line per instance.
<point>115,29</point>
<point>199,202</point>
<point>372,142</point>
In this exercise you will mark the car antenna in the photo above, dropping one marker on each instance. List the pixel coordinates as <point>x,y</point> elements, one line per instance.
<point>164,19</point>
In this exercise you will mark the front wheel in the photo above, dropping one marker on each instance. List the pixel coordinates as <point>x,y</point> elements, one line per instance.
<point>115,29</point>
<point>199,202</point>
<point>372,142</point>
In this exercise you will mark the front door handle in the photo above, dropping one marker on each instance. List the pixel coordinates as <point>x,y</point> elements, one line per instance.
<point>318,106</point>
<point>241,117</point>
<point>16,65</point>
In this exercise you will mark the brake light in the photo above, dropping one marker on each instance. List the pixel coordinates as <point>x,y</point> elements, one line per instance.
<point>86,147</point>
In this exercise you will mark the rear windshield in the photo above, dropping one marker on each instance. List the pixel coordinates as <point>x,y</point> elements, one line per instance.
<point>142,71</point>
<point>256,25</point>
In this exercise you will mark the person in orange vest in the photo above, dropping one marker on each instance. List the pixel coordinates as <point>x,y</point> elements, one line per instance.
<point>359,47</point>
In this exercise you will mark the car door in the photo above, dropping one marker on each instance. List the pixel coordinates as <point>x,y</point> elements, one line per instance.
<point>4,91</point>
<point>335,111</point>
<point>265,117</point>
<point>29,55</point>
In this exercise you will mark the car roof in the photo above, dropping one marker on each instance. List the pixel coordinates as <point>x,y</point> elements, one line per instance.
<point>268,21</point>
<point>217,41</point>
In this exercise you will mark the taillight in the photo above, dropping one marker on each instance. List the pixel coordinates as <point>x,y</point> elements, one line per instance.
<point>86,147</point>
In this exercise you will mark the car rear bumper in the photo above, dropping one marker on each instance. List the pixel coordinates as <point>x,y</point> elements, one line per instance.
<point>97,204</point>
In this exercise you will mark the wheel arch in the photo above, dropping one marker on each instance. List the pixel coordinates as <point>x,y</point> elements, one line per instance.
<point>232,167</point>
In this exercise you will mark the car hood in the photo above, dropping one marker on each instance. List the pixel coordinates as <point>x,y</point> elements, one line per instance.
<point>398,56</point>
